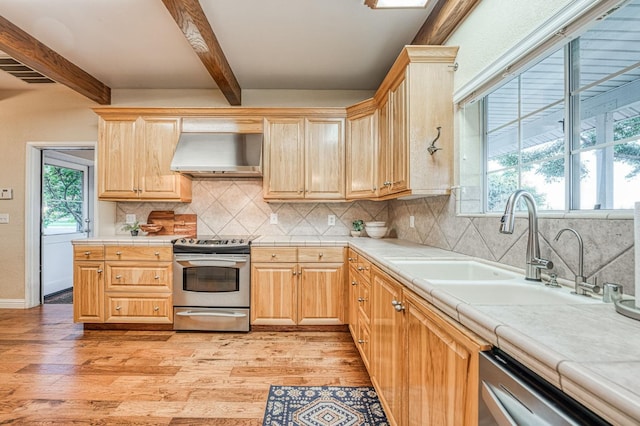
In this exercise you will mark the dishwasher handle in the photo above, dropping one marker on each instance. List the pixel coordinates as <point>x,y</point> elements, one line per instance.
<point>498,411</point>
<point>211,314</point>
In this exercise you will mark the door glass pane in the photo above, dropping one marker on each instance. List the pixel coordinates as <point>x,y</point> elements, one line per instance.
<point>62,200</point>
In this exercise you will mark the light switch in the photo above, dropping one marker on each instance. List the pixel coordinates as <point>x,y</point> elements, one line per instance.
<point>273,219</point>
<point>4,217</point>
<point>6,193</point>
<point>331,220</point>
<point>131,218</point>
<point>412,222</point>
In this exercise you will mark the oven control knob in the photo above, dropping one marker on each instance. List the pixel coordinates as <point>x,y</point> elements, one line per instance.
<point>191,241</point>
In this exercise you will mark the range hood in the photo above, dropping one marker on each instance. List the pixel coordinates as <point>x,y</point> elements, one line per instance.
<point>219,155</point>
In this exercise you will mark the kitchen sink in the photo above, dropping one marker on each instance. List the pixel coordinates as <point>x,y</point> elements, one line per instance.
<point>512,293</point>
<point>456,270</point>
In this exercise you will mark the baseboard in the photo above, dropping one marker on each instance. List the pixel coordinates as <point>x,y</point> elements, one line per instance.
<point>12,304</point>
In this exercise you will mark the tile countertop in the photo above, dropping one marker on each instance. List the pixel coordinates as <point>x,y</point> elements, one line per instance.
<point>588,350</point>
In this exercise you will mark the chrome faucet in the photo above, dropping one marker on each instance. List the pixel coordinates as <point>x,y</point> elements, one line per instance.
<point>581,284</point>
<point>534,262</point>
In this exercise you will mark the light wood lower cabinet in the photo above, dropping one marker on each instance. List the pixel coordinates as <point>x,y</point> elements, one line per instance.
<point>128,284</point>
<point>423,365</point>
<point>297,286</point>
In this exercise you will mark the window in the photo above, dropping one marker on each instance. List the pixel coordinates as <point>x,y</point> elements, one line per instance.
<point>568,128</point>
<point>63,197</point>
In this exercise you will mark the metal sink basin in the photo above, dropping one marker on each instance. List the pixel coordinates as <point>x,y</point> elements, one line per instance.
<point>512,293</point>
<point>453,270</point>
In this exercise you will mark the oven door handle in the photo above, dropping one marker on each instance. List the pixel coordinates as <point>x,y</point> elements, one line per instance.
<point>211,314</point>
<point>223,263</point>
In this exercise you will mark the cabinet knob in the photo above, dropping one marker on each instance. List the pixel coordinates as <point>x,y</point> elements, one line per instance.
<point>294,272</point>
<point>118,277</point>
<point>118,308</point>
<point>360,268</point>
<point>87,253</point>
<point>361,341</point>
<point>320,254</point>
<point>156,308</point>
<point>350,259</point>
<point>99,271</point>
<point>157,277</point>
<point>354,282</point>
<point>361,299</point>
<point>273,255</point>
<point>157,253</point>
<point>118,253</point>
<point>397,305</point>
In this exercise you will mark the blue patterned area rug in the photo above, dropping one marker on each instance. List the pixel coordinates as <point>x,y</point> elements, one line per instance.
<point>323,406</point>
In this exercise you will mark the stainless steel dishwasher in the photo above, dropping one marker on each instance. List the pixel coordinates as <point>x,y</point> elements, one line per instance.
<point>510,394</point>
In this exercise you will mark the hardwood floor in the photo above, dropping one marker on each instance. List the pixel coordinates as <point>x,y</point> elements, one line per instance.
<point>52,371</point>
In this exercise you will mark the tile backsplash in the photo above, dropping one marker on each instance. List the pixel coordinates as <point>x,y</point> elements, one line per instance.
<point>236,207</point>
<point>608,243</point>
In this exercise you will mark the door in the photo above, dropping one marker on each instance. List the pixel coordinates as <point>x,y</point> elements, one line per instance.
<point>65,216</point>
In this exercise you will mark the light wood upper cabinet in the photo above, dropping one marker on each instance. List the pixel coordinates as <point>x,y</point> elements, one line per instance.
<point>134,157</point>
<point>283,169</point>
<point>304,158</point>
<point>362,150</point>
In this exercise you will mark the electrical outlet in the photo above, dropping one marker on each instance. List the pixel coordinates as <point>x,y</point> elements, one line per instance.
<point>412,222</point>
<point>273,219</point>
<point>331,220</point>
<point>131,218</point>
<point>6,193</point>
<point>4,217</point>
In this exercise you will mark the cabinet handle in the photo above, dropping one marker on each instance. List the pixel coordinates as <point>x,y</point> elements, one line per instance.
<point>354,282</point>
<point>397,305</point>
<point>99,271</point>
<point>118,277</point>
<point>273,255</point>
<point>156,308</point>
<point>361,299</point>
<point>350,259</point>
<point>360,268</point>
<point>294,272</point>
<point>361,341</point>
<point>157,277</point>
<point>87,253</point>
<point>118,308</point>
<point>320,254</point>
<point>157,253</point>
<point>300,272</point>
<point>118,253</point>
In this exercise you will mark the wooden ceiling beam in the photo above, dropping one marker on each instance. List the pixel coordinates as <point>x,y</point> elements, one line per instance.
<point>195,26</point>
<point>443,20</point>
<point>25,49</point>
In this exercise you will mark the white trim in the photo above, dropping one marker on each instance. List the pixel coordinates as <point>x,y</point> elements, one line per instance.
<point>12,304</point>
<point>577,12</point>
<point>32,215</point>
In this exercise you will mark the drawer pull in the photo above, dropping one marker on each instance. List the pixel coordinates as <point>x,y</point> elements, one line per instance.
<point>157,277</point>
<point>157,253</point>
<point>320,254</point>
<point>99,271</point>
<point>87,253</point>
<point>362,341</point>
<point>118,277</point>
<point>361,299</point>
<point>273,255</point>
<point>360,268</point>
<point>118,253</point>
<point>354,282</point>
<point>118,308</point>
<point>156,308</point>
<point>294,272</point>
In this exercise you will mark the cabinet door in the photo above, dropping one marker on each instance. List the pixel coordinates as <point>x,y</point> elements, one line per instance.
<point>384,147</point>
<point>117,162</point>
<point>398,153</point>
<point>442,370</point>
<point>158,138</point>
<point>273,294</point>
<point>324,153</point>
<point>354,284</point>
<point>88,291</point>
<point>388,345</point>
<point>321,294</point>
<point>283,158</point>
<point>362,146</point>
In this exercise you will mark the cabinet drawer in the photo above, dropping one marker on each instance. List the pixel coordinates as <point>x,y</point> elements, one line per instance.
<point>363,342</point>
<point>151,308</point>
<point>279,254</point>
<point>139,276</point>
<point>364,268</point>
<point>88,252</point>
<point>138,253</point>
<point>320,254</point>
<point>364,301</point>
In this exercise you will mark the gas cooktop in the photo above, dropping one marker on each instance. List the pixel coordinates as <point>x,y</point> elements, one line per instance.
<point>212,244</point>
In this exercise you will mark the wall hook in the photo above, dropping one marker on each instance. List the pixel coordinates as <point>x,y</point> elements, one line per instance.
<point>432,148</point>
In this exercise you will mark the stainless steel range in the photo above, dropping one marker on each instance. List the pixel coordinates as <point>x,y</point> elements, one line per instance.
<point>211,284</point>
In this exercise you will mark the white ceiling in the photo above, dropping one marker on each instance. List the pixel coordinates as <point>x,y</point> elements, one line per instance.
<point>269,44</point>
